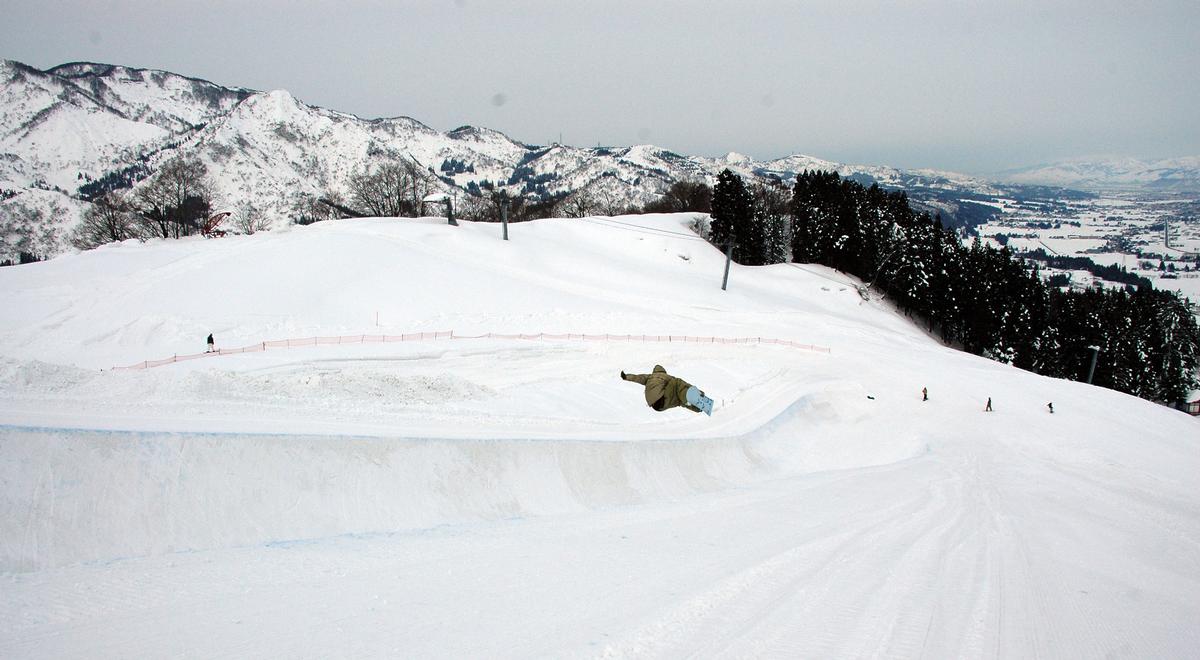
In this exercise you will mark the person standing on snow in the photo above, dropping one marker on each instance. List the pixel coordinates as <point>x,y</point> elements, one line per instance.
<point>210,343</point>
<point>665,391</point>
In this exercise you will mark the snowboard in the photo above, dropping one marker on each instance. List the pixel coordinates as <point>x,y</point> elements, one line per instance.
<point>697,399</point>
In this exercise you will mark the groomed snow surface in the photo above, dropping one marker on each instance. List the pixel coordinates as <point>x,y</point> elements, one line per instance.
<point>514,498</point>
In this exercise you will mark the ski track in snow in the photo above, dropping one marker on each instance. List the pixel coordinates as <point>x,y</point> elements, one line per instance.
<point>943,554</point>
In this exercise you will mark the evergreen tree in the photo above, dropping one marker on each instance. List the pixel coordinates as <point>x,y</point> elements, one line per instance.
<point>1157,354</point>
<point>769,229</point>
<point>948,289</point>
<point>1178,335</point>
<point>847,230</point>
<point>980,322</point>
<point>993,302</point>
<point>1029,326</point>
<point>732,209</point>
<point>815,199</point>
<point>912,274</point>
<point>876,234</point>
<point>778,228</point>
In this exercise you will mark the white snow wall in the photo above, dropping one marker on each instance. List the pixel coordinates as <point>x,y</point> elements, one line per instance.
<point>80,496</point>
<point>92,496</point>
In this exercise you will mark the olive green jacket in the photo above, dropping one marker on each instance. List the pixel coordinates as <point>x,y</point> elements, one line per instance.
<point>662,389</point>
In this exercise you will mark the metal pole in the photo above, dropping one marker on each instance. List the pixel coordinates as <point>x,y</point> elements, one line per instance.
<point>728,259</point>
<point>504,216</point>
<point>1092,369</point>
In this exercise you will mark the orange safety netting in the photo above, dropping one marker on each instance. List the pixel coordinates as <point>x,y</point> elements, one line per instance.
<point>450,334</point>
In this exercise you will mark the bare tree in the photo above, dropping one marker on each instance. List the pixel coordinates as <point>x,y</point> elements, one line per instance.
<point>683,196</point>
<point>308,209</point>
<point>382,192</point>
<point>392,189</point>
<point>421,183</point>
<point>608,200</point>
<point>486,207</point>
<point>771,198</point>
<point>474,208</point>
<point>578,204</point>
<point>249,220</point>
<point>177,200</point>
<point>110,218</point>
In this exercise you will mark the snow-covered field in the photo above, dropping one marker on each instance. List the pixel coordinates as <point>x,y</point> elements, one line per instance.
<point>514,498</point>
<point>1089,227</point>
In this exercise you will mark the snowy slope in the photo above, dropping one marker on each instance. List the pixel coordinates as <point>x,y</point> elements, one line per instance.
<point>53,130</point>
<point>514,498</point>
<point>35,221</point>
<point>64,128</point>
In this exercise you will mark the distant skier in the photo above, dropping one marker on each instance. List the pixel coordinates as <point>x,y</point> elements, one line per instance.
<point>1051,407</point>
<point>924,393</point>
<point>210,344</point>
<point>989,405</point>
<point>665,391</point>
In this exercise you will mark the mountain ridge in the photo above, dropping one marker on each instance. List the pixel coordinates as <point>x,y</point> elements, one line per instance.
<point>1113,173</point>
<point>80,122</point>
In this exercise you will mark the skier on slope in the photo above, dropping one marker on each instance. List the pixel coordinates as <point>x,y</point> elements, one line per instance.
<point>665,391</point>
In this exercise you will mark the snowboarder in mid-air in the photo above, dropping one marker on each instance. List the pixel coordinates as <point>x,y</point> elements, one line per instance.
<point>665,391</point>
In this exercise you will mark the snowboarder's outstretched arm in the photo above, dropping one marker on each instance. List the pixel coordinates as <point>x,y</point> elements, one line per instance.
<point>640,379</point>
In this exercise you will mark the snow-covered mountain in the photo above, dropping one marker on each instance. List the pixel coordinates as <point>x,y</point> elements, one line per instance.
<point>80,121</point>
<point>1170,174</point>
<point>75,124</point>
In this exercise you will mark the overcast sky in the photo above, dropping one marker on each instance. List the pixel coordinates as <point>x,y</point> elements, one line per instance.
<point>969,86</point>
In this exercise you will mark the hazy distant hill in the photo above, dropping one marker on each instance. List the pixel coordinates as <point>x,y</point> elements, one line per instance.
<point>1165,175</point>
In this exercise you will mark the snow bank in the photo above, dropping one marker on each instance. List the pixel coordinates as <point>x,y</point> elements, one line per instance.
<point>88,496</point>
